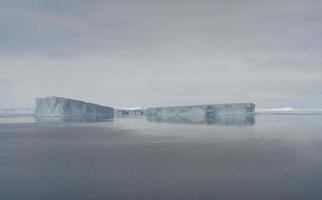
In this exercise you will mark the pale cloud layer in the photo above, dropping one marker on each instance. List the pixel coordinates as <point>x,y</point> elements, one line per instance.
<point>150,52</point>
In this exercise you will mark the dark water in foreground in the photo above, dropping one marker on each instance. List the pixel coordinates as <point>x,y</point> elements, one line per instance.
<point>278,157</point>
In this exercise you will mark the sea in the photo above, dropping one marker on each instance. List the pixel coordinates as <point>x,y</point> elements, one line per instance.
<point>275,157</point>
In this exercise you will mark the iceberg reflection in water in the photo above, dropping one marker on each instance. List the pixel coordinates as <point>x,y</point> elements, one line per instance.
<point>227,120</point>
<point>72,119</point>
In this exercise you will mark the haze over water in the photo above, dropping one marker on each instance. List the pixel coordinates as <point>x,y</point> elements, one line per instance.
<point>276,157</point>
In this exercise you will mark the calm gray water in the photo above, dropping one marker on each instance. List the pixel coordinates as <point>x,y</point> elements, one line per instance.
<point>273,157</point>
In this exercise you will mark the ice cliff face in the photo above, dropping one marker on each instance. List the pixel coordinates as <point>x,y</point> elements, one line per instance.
<point>72,110</point>
<point>237,113</point>
<point>204,110</point>
<point>63,107</point>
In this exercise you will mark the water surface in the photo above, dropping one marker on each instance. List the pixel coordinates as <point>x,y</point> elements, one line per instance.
<point>274,157</point>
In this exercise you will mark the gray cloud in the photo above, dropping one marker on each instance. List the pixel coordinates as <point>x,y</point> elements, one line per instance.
<point>163,52</point>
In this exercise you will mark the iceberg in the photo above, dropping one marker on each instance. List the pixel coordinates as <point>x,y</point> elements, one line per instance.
<point>70,108</point>
<point>225,114</point>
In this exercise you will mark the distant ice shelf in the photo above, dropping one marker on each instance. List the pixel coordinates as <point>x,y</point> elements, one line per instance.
<point>289,111</point>
<point>17,112</point>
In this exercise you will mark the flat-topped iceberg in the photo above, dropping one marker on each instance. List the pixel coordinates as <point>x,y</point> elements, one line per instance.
<point>64,107</point>
<point>229,114</point>
<point>204,110</point>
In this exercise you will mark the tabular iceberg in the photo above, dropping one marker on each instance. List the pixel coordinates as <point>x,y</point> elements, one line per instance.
<point>69,108</point>
<point>234,114</point>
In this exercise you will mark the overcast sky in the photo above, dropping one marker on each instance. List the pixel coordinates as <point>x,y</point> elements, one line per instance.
<point>162,52</point>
